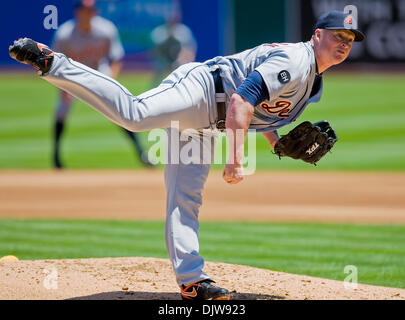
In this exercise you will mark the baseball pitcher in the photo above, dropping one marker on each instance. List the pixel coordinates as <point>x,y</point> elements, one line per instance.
<point>264,88</point>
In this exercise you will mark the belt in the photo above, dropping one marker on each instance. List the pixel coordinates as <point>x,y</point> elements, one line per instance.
<point>220,99</point>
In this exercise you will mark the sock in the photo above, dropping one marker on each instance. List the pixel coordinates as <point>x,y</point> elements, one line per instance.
<point>58,130</point>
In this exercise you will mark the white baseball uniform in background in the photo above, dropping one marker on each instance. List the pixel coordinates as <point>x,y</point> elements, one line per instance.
<point>95,49</point>
<point>187,95</point>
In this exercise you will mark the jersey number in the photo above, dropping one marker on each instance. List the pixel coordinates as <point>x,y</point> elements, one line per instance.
<point>281,108</point>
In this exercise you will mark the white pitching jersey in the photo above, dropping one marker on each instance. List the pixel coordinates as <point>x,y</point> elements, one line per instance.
<point>289,72</point>
<point>96,49</point>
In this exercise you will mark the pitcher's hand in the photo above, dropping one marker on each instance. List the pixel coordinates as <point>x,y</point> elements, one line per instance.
<point>233,173</point>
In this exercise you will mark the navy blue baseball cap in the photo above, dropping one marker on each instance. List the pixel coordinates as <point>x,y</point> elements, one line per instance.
<point>338,20</point>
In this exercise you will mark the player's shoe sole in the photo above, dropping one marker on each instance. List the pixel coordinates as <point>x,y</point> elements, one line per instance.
<point>26,50</point>
<point>204,290</point>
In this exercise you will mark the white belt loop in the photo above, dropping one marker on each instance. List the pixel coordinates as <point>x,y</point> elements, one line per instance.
<point>220,97</point>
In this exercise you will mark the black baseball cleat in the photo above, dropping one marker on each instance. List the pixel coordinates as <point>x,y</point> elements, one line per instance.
<point>204,290</point>
<point>33,53</point>
<point>57,164</point>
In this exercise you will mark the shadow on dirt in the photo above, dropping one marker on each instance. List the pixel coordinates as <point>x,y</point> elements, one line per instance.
<point>136,295</point>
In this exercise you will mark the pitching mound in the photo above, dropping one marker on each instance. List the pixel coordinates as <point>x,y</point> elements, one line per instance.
<point>152,279</point>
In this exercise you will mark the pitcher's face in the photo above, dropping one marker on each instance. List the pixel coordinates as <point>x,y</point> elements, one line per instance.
<point>333,45</point>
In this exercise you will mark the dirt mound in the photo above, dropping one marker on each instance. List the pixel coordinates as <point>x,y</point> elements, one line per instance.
<point>152,279</point>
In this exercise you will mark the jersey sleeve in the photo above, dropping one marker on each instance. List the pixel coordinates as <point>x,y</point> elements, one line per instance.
<point>116,49</point>
<point>277,73</point>
<point>187,38</point>
<point>253,89</point>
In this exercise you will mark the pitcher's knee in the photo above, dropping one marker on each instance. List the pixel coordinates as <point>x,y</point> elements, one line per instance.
<point>135,125</point>
<point>137,118</point>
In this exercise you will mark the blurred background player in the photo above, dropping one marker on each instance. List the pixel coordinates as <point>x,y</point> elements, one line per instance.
<point>93,41</point>
<point>174,45</point>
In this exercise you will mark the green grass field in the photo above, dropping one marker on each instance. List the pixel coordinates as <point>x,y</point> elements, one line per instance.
<point>320,250</point>
<point>366,111</point>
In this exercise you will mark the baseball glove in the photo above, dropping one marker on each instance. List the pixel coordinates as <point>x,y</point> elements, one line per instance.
<point>308,142</point>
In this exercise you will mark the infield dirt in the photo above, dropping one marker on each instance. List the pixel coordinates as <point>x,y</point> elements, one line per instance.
<point>265,196</point>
